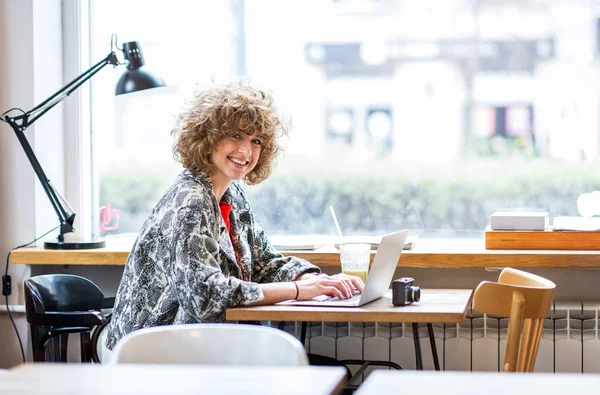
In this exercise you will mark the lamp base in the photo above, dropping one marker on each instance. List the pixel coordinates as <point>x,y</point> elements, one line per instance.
<point>74,245</point>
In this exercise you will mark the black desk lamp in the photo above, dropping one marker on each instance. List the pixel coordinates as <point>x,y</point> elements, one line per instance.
<point>134,79</point>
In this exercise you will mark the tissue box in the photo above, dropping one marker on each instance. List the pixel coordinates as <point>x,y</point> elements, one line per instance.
<point>519,220</point>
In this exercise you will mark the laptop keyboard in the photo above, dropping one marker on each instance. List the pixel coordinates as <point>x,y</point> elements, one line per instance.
<point>325,298</point>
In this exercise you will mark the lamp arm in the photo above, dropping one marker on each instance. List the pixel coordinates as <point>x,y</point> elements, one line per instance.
<point>66,218</point>
<point>20,122</point>
<point>71,87</point>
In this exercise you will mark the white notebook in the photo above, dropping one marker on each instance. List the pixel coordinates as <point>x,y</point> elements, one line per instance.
<point>297,243</point>
<point>589,224</point>
<point>409,244</point>
<point>307,243</point>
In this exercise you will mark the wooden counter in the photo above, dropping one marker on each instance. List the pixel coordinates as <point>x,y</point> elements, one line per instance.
<point>429,252</point>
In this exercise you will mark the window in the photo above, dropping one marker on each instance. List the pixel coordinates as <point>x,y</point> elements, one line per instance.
<point>406,114</point>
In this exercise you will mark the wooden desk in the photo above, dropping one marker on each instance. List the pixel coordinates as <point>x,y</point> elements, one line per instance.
<point>33,379</point>
<point>436,306</point>
<point>434,252</point>
<point>477,383</point>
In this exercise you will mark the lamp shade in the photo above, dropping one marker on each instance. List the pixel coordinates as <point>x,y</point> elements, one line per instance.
<point>136,78</point>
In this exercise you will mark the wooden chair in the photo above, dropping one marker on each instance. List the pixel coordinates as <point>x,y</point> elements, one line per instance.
<point>526,299</point>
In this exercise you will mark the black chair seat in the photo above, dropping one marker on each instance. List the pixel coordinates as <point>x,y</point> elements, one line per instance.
<point>57,305</point>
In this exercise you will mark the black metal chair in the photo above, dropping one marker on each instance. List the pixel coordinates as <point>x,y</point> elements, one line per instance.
<point>57,305</point>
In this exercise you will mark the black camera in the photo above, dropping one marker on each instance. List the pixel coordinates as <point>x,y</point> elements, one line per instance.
<point>404,292</point>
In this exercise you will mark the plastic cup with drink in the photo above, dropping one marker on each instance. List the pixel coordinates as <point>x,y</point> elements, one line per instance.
<point>355,259</point>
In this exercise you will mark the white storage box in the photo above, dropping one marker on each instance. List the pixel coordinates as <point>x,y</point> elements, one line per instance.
<point>515,220</point>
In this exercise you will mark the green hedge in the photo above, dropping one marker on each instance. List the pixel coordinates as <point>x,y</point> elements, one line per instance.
<point>453,198</point>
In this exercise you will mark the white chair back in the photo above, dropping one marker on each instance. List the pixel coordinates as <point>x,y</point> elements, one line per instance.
<point>214,344</point>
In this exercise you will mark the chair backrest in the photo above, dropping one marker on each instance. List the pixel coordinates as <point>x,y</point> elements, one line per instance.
<point>215,344</point>
<point>59,304</point>
<point>526,299</point>
<point>60,292</point>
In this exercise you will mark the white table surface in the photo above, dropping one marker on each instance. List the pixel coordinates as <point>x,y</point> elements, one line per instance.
<point>478,383</point>
<point>130,379</point>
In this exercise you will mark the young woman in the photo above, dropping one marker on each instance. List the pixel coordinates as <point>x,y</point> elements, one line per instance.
<point>200,251</point>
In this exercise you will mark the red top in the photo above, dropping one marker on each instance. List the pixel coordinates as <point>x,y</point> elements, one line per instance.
<point>225,211</point>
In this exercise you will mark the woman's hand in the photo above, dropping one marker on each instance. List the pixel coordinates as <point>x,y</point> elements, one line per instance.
<point>338,285</point>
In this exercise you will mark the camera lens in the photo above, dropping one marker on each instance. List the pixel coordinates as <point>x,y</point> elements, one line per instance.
<point>415,294</point>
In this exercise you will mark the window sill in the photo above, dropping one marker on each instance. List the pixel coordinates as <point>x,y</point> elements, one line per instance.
<point>429,252</point>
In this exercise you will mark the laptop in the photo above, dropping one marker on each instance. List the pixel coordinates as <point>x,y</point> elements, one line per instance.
<point>378,280</point>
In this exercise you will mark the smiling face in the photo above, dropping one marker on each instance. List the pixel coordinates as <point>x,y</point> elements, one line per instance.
<point>207,139</point>
<point>233,158</point>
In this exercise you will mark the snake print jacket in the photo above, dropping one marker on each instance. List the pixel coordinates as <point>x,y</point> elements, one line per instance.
<point>184,267</point>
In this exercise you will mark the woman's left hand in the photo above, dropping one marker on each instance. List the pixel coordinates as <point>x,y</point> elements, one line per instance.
<point>352,282</point>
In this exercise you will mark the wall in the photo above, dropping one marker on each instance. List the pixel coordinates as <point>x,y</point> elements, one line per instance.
<point>30,49</point>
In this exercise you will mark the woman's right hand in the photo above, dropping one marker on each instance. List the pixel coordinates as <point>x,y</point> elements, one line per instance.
<point>340,286</point>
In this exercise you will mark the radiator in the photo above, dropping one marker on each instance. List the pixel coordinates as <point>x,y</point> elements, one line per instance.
<point>569,343</point>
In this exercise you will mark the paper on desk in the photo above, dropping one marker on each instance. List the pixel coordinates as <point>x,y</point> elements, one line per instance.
<point>307,243</point>
<point>584,224</point>
<point>409,244</point>
<point>297,243</point>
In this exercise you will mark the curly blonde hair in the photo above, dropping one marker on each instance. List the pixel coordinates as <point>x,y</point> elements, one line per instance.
<point>220,112</point>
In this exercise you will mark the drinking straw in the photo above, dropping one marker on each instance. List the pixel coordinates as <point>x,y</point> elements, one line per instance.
<point>337,225</point>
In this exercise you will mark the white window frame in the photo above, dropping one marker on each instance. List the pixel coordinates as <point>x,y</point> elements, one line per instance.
<point>46,136</point>
<point>77,117</point>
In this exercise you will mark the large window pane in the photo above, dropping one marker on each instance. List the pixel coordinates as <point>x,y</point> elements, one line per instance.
<point>418,114</point>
